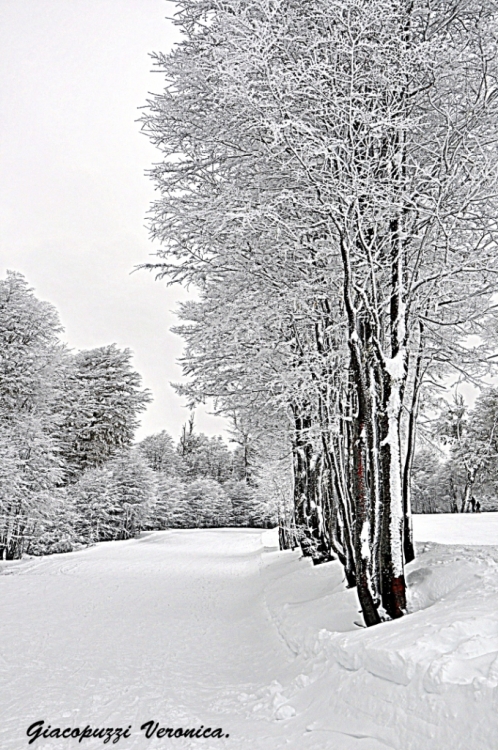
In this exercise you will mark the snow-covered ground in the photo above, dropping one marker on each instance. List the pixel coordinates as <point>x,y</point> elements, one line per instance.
<point>215,628</point>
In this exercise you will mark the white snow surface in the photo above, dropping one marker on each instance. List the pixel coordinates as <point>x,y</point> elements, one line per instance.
<point>218,628</point>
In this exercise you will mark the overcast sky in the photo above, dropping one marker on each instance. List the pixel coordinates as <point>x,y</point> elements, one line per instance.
<point>73,195</point>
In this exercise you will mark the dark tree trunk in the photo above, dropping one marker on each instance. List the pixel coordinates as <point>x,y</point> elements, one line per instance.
<point>408,544</point>
<point>370,613</point>
<point>307,494</point>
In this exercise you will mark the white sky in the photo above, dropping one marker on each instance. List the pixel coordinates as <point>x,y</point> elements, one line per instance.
<point>73,195</point>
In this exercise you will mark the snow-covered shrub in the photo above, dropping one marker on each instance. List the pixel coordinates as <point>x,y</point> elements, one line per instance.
<point>114,501</point>
<point>206,505</point>
<point>133,492</point>
<point>168,511</point>
<point>55,530</point>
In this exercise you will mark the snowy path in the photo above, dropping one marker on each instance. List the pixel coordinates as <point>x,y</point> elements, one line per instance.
<point>170,627</point>
<point>192,628</point>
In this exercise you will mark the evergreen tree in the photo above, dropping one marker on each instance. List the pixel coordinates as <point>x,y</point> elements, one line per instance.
<point>104,399</point>
<point>32,366</point>
<point>133,491</point>
<point>169,510</point>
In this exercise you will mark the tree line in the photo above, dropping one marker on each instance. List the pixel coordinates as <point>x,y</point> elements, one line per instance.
<point>328,181</point>
<point>456,467</point>
<point>70,473</point>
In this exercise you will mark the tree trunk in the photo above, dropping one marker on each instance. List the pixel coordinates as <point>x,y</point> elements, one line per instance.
<point>362,530</point>
<point>408,545</point>
<point>307,494</point>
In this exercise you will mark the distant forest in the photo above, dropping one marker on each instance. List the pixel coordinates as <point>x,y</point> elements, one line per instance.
<point>70,473</point>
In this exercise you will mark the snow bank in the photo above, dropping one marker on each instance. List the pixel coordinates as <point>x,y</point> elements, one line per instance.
<point>427,681</point>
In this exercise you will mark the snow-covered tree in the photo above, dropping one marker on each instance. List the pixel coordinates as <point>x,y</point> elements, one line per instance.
<point>168,511</point>
<point>470,437</point>
<point>339,160</point>
<point>160,453</point>
<point>104,399</point>
<point>56,523</point>
<point>203,456</point>
<point>30,351</point>
<point>29,472</point>
<point>61,413</point>
<point>32,367</point>
<point>206,504</point>
<point>433,483</point>
<point>133,489</point>
<point>114,501</point>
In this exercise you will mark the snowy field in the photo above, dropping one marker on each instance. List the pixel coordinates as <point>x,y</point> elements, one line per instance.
<point>215,628</point>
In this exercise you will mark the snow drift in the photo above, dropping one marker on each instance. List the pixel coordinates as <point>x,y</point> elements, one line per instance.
<point>427,681</point>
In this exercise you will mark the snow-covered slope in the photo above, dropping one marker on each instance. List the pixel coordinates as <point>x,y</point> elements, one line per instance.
<point>217,628</point>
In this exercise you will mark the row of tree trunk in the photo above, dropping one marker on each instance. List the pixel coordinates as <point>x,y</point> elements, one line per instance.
<point>352,454</point>
<point>343,502</point>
